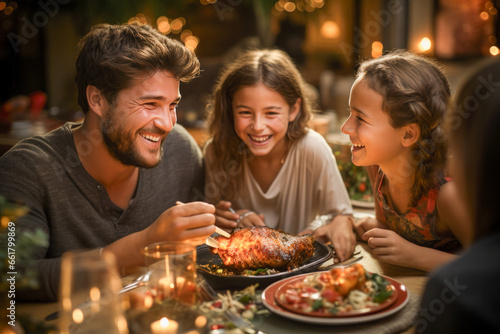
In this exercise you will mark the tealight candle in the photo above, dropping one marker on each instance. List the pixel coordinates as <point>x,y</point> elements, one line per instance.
<point>164,326</point>
<point>166,285</point>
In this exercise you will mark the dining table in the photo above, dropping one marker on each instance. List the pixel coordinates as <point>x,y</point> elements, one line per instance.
<point>411,279</point>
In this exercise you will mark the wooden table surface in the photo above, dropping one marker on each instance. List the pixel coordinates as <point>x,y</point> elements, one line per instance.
<point>413,279</point>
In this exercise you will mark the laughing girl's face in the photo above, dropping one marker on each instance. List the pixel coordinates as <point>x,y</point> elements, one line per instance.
<point>374,140</point>
<point>261,117</point>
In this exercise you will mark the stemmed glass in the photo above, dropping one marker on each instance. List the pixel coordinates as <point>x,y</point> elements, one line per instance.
<point>89,299</point>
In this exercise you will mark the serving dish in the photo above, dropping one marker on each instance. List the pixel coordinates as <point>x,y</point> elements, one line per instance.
<point>218,281</point>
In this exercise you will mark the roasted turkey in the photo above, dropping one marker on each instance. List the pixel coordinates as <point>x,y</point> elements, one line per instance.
<point>263,247</point>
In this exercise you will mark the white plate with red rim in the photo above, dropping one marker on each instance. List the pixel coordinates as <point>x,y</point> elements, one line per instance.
<point>269,296</point>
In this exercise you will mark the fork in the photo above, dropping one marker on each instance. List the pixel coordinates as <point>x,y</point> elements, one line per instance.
<point>233,317</point>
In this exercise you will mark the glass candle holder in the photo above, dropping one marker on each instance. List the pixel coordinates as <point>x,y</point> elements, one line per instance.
<point>173,271</point>
<point>89,299</point>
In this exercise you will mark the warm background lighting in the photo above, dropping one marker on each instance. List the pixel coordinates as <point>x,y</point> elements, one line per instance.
<point>377,49</point>
<point>425,44</point>
<point>163,25</point>
<point>177,25</point>
<point>494,50</point>
<point>171,26</point>
<point>330,30</point>
<point>289,6</point>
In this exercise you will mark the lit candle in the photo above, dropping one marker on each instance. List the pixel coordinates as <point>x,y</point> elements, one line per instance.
<point>164,326</point>
<point>180,282</point>
<point>166,286</point>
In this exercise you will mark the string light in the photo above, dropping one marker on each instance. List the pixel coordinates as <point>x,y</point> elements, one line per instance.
<point>167,26</point>
<point>300,5</point>
<point>163,25</point>
<point>289,6</point>
<point>176,25</point>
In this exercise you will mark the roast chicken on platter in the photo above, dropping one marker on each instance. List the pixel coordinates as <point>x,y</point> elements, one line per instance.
<point>263,247</point>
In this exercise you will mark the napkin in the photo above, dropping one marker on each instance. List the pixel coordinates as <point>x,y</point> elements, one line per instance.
<point>395,323</point>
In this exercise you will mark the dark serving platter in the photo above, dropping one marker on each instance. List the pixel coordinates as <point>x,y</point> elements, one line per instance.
<point>321,254</point>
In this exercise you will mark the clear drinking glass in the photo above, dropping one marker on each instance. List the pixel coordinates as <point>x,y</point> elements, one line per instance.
<point>173,271</point>
<point>89,299</point>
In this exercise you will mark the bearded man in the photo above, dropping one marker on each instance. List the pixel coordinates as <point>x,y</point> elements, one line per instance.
<point>112,181</point>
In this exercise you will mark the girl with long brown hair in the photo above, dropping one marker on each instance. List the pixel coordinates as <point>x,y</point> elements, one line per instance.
<point>264,162</point>
<point>397,106</point>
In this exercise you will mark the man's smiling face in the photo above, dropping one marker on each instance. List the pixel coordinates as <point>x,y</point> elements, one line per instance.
<point>136,124</point>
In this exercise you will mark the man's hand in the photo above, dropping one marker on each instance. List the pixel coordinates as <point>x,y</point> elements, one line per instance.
<point>365,224</point>
<point>192,222</point>
<point>339,232</point>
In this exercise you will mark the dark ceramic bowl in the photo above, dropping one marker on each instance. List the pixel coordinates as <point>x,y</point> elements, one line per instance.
<point>321,254</point>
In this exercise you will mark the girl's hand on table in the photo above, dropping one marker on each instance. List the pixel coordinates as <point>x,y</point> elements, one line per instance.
<point>225,218</point>
<point>339,232</point>
<point>365,224</point>
<point>390,247</point>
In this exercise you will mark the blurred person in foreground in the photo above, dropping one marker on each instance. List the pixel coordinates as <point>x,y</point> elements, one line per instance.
<point>462,296</point>
<point>112,181</point>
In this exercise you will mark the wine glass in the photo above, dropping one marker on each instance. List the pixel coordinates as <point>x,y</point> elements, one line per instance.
<point>89,299</point>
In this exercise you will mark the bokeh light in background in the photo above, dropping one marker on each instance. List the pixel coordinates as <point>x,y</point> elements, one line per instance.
<point>322,37</point>
<point>8,10</point>
<point>306,6</point>
<point>330,29</point>
<point>163,25</point>
<point>171,26</point>
<point>425,44</point>
<point>377,49</point>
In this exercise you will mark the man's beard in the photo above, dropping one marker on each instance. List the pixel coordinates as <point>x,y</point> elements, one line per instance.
<point>121,146</point>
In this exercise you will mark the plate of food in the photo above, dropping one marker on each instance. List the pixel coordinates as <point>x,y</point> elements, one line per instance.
<point>343,295</point>
<point>259,255</point>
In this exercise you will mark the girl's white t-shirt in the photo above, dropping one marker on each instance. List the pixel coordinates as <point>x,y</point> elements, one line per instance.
<point>308,186</point>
